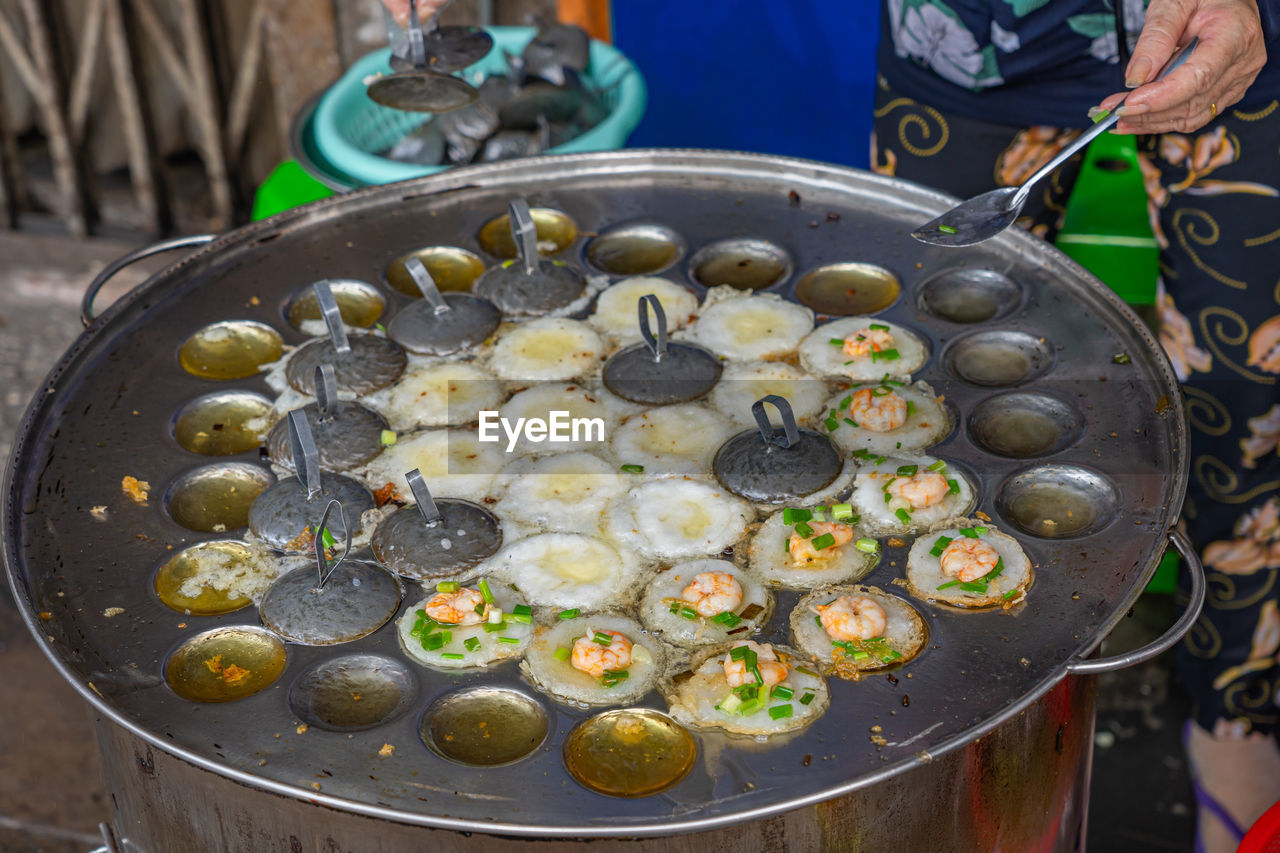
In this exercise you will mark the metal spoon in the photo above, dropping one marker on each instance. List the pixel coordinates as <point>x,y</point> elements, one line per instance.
<point>983,217</point>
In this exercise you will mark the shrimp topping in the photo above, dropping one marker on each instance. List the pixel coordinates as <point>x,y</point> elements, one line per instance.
<point>772,670</point>
<point>923,489</point>
<point>968,559</point>
<point>593,658</point>
<point>802,550</point>
<point>712,593</point>
<point>856,618</point>
<point>878,414</point>
<point>866,341</point>
<point>456,608</point>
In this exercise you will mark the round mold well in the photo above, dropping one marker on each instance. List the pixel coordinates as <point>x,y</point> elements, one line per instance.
<point>969,295</point>
<point>1024,425</point>
<point>225,664</point>
<point>222,423</point>
<point>451,268</point>
<point>746,263</point>
<point>1058,501</point>
<point>484,726</point>
<point>848,289</point>
<point>629,752</point>
<point>230,349</point>
<point>999,358</point>
<point>216,498</point>
<point>353,692</point>
<point>360,303</point>
<point>556,232</point>
<point>635,249</point>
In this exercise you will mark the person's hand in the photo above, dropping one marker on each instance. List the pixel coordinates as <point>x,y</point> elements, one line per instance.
<point>399,9</point>
<point>1229,56</point>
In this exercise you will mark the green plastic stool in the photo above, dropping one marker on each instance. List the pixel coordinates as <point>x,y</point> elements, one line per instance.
<point>1108,232</point>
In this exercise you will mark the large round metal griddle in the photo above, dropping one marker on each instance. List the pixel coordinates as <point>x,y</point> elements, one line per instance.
<point>82,435</point>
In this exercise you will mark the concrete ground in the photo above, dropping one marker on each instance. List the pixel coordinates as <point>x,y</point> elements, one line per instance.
<point>51,797</point>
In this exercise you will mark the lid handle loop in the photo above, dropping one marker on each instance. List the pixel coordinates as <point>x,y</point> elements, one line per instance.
<point>332,318</point>
<point>789,436</point>
<point>322,560</point>
<point>657,344</point>
<point>525,234</point>
<point>422,495</point>
<point>306,458</point>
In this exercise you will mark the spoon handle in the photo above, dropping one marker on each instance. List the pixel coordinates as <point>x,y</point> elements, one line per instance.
<point>1020,197</point>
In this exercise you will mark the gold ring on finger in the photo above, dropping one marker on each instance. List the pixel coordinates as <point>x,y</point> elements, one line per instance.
<point>1213,110</point>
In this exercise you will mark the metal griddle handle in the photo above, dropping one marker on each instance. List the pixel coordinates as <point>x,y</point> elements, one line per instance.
<point>790,434</point>
<point>1096,666</point>
<point>109,271</point>
<point>657,343</point>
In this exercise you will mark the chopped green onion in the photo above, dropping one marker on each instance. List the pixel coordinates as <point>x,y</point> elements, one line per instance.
<point>688,612</point>
<point>471,644</point>
<point>939,545</point>
<point>495,627</point>
<point>841,512</point>
<point>494,616</point>
<point>561,653</point>
<point>948,585</point>
<point>878,327</point>
<point>448,586</point>
<point>569,614</point>
<point>908,470</point>
<point>791,515</point>
<point>891,382</point>
<point>431,642</point>
<point>954,486</point>
<point>1097,117</point>
<point>674,608</point>
<point>817,620</point>
<point>851,422</point>
<point>911,408</point>
<point>826,540</point>
<point>860,655</point>
<point>522,613</point>
<point>996,572</point>
<point>1121,358</point>
<point>903,515</point>
<point>939,465</point>
<point>881,391</point>
<point>508,264</point>
<point>867,545</point>
<point>738,652</point>
<point>844,404</point>
<point>891,655</point>
<point>974,586</point>
<point>861,453</point>
<point>511,641</point>
<point>485,592</point>
<point>780,712</point>
<point>749,707</point>
<point>781,692</point>
<point>327,537</point>
<point>807,698</point>
<point>633,469</point>
<point>836,342</point>
<point>479,608</point>
<point>380,328</point>
<point>613,676</point>
<point>804,529</point>
<point>600,638</point>
<point>451,655</point>
<point>388,437</point>
<point>885,355</point>
<point>806,671</point>
<point>969,532</point>
<point>747,691</point>
<point>947,229</point>
<point>729,704</point>
<point>727,618</point>
<point>981,530</point>
<point>1008,595</point>
<point>831,424</point>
